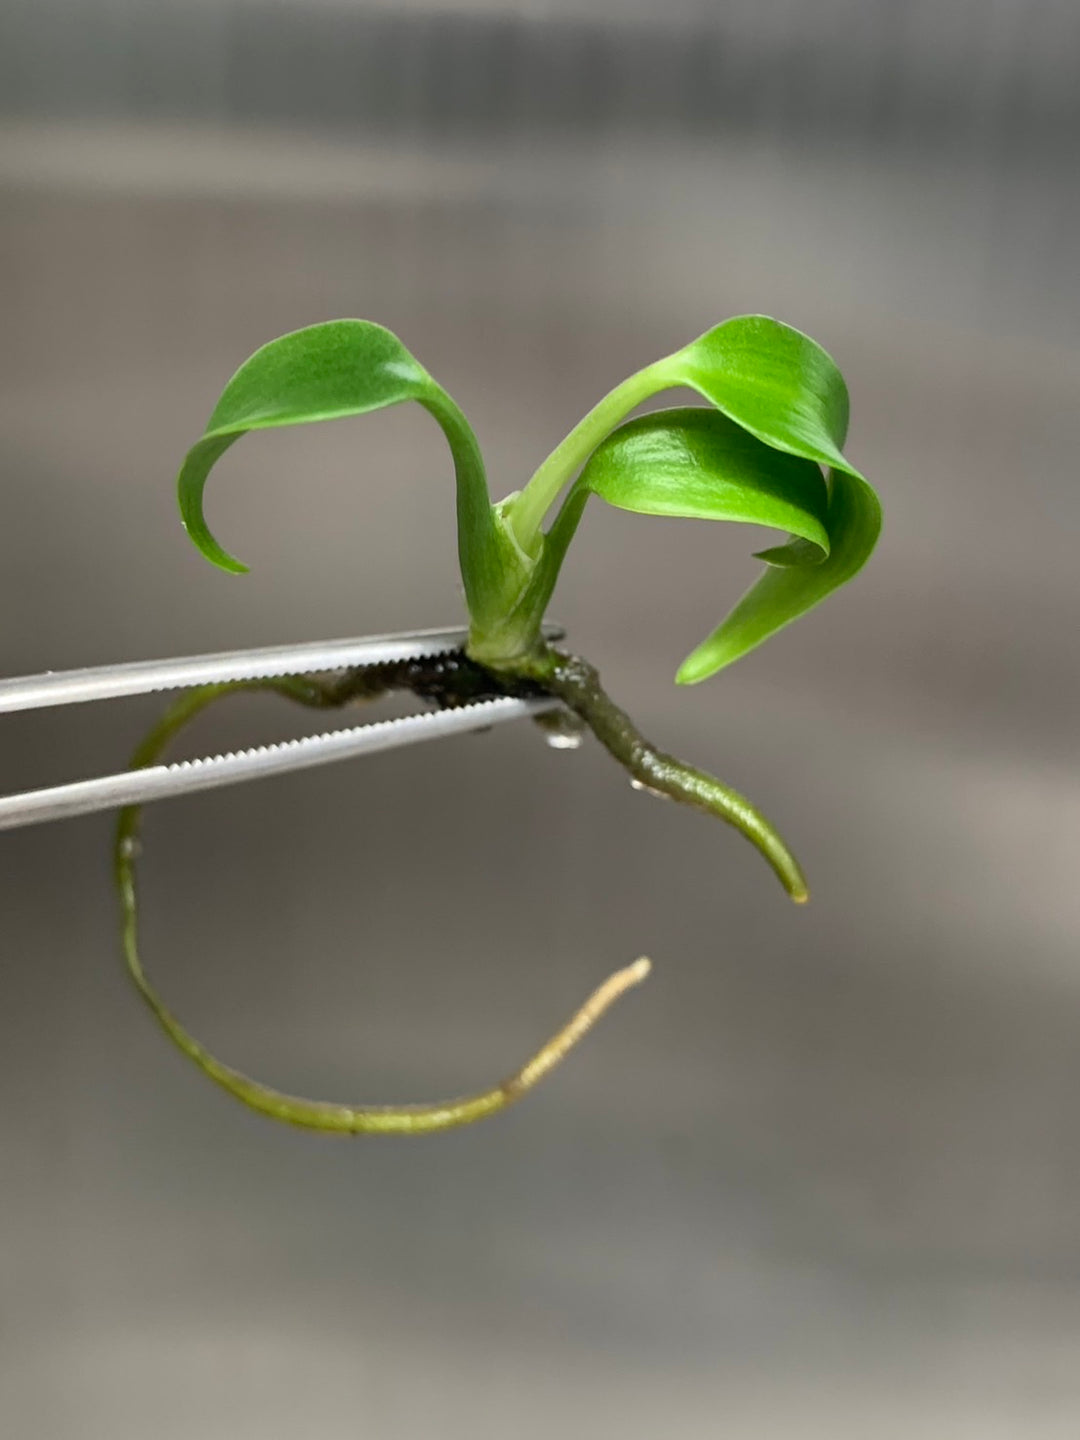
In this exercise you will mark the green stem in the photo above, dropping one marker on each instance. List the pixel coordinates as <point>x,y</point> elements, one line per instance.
<point>577,684</point>
<point>528,509</point>
<point>519,631</point>
<point>481,556</point>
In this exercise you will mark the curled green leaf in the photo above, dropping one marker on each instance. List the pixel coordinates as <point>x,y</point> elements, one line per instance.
<point>785,389</point>
<point>693,463</point>
<point>773,381</point>
<point>781,390</point>
<point>702,465</point>
<point>795,581</point>
<point>327,372</point>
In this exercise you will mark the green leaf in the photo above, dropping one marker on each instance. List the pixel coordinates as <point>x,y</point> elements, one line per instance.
<point>779,387</point>
<point>773,381</point>
<point>327,372</point>
<point>790,587</point>
<point>699,464</point>
<point>694,463</point>
<point>784,388</point>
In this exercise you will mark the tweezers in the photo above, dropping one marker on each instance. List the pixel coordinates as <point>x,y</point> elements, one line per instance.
<point>161,782</point>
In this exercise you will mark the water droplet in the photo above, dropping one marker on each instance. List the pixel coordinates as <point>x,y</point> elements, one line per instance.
<point>564,739</point>
<point>130,847</point>
<point>563,730</point>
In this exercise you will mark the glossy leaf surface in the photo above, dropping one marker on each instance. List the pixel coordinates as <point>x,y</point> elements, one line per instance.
<point>797,583</point>
<point>328,372</point>
<point>773,381</point>
<point>783,392</point>
<point>699,464</point>
<point>785,389</point>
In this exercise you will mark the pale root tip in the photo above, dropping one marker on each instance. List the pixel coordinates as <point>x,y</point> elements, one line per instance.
<point>801,897</point>
<point>639,970</point>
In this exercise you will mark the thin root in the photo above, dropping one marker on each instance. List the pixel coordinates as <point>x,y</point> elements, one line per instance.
<point>294,1109</point>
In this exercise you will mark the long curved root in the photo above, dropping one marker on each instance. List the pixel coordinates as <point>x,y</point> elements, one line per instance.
<point>292,1109</point>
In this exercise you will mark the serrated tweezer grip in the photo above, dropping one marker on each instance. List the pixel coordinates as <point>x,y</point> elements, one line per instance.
<point>160,782</point>
<point>143,677</point>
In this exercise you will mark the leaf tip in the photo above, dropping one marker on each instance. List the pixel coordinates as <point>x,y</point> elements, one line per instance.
<point>694,669</point>
<point>210,550</point>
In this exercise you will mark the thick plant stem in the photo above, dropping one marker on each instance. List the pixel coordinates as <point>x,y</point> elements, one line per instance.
<point>447,681</point>
<point>577,684</point>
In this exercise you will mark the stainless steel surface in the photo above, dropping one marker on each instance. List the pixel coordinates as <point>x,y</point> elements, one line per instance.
<point>211,772</point>
<point>819,1176</point>
<point>145,677</point>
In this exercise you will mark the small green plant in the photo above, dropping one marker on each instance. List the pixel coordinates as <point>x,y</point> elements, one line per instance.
<point>766,450</point>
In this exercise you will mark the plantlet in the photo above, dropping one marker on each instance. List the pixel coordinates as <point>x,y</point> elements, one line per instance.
<point>766,450</point>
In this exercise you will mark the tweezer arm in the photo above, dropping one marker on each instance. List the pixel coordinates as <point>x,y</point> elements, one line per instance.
<point>141,677</point>
<point>161,782</point>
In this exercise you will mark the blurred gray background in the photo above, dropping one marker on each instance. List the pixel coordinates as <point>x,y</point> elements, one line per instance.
<point>821,1177</point>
